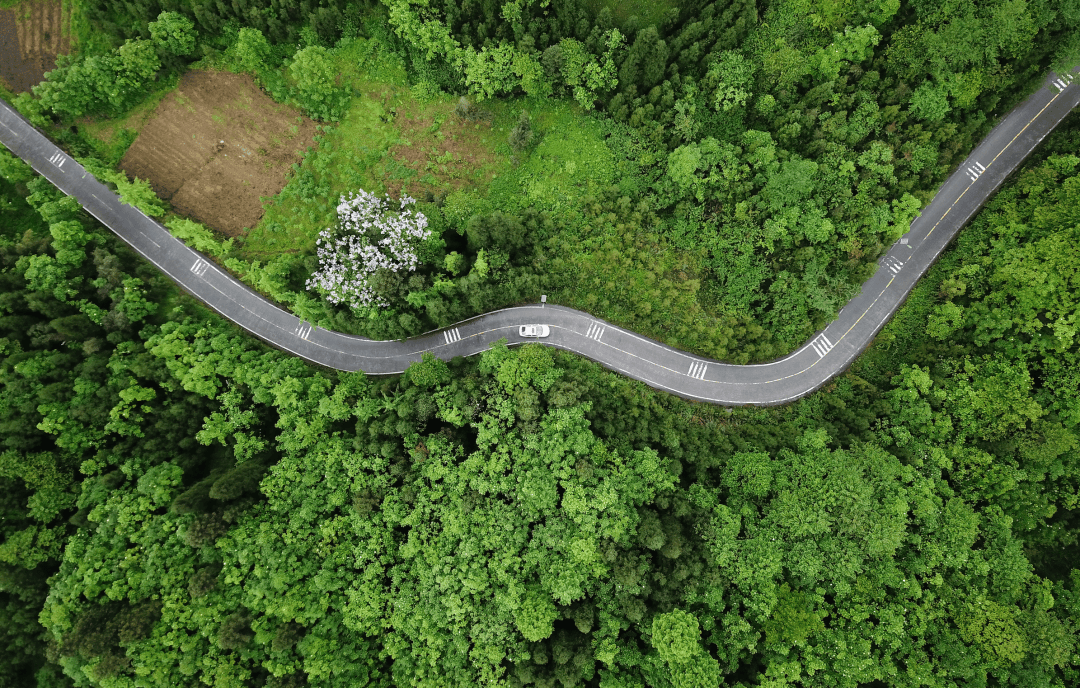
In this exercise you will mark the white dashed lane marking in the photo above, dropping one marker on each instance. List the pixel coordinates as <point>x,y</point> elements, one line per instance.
<point>697,370</point>
<point>147,237</point>
<point>303,330</point>
<point>821,345</point>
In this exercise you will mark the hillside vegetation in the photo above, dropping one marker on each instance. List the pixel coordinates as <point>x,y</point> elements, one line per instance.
<point>723,179</point>
<point>183,506</point>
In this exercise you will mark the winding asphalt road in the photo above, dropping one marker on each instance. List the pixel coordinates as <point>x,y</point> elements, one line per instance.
<point>657,365</point>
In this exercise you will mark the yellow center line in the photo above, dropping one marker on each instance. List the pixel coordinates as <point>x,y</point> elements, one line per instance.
<point>258,316</point>
<point>992,161</point>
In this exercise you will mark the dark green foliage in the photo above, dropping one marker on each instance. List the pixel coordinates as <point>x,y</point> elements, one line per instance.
<point>527,517</point>
<point>646,61</point>
<point>204,529</point>
<point>235,632</point>
<point>287,636</point>
<point>72,337</point>
<point>135,622</point>
<point>521,135</point>
<point>296,680</point>
<point>204,580</point>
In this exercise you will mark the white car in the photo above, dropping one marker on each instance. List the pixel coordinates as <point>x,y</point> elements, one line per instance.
<point>534,331</point>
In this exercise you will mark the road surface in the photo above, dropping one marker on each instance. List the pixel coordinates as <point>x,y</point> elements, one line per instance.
<point>657,365</point>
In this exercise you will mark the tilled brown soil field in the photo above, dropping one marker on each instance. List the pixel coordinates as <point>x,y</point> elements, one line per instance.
<point>217,144</point>
<point>32,34</point>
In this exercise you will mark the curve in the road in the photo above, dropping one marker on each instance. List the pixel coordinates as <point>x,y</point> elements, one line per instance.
<point>658,365</point>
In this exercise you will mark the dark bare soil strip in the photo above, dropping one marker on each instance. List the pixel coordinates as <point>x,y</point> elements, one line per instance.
<point>32,34</point>
<point>217,145</point>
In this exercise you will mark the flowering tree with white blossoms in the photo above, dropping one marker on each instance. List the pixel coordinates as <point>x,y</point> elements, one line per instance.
<point>369,237</point>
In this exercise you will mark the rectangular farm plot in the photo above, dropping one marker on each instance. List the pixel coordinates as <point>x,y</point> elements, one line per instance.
<point>32,34</point>
<point>215,146</point>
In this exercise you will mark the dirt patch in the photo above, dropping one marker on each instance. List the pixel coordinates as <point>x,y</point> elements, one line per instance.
<point>215,146</point>
<point>32,34</point>
<point>446,151</point>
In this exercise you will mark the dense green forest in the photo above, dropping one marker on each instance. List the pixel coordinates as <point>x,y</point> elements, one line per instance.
<point>182,505</point>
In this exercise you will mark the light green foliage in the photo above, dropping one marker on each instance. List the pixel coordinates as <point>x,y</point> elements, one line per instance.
<point>198,237</point>
<point>137,62</point>
<point>572,157</point>
<point>533,365</point>
<point>677,639</point>
<point>251,50</point>
<point>993,628</point>
<point>719,161</point>
<point>454,263</point>
<point>13,169</point>
<point>854,45</point>
<point>134,192</point>
<point>584,73</point>
<point>174,33</point>
<point>733,76</point>
<point>929,102</point>
<point>793,619</point>
<point>314,75</point>
<point>535,615</point>
<point>111,82</point>
<point>137,192</point>
<point>784,64</point>
<point>501,69</point>
<point>946,319</point>
<point>793,183</point>
<point>429,372</point>
<point>417,23</point>
<point>676,636</point>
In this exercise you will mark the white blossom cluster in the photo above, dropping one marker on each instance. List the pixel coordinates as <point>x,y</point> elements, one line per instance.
<point>369,237</point>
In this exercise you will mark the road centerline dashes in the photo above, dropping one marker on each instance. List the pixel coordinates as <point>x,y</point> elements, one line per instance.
<point>228,287</point>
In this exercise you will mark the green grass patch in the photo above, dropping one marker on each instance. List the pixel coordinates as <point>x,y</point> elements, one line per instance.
<point>348,157</point>
<point>570,160</point>
<point>388,142</point>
